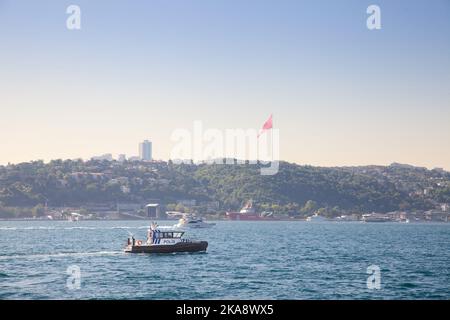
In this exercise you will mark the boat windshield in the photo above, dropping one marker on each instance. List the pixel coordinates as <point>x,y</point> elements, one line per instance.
<point>164,235</point>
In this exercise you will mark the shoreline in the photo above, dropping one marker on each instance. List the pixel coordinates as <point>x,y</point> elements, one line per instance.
<point>226,220</point>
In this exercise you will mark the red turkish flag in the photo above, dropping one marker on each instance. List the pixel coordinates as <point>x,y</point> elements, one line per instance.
<point>266,126</point>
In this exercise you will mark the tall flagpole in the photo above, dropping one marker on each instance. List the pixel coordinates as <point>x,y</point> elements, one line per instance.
<point>271,137</point>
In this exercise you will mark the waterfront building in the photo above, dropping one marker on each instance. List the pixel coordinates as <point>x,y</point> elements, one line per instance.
<point>153,210</point>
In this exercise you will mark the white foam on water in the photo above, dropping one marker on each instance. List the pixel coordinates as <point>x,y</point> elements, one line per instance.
<point>72,228</point>
<point>62,255</point>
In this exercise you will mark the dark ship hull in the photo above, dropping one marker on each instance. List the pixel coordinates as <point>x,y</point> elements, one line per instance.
<point>194,246</point>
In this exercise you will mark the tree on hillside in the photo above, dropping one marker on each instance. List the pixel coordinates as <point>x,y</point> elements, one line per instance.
<point>309,207</point>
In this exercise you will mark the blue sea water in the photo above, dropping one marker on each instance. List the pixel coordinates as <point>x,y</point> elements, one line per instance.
<point>245,260</point>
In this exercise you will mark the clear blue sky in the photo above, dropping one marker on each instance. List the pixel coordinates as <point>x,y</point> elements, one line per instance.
<point>340,93</point>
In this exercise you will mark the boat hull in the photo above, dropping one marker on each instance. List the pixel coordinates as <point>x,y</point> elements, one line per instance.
<point>196,246</point>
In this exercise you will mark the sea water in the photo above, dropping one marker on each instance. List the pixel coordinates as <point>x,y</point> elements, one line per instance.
<point>244,260</point>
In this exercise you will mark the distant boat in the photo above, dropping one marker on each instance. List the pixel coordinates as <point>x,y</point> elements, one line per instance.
<point>192,221</point>
<point>316,218</point>
<point>74,217</point>
<point>248,212</point>
<point>346,218</point>
<point>375,217</point>
<point>174,215</point>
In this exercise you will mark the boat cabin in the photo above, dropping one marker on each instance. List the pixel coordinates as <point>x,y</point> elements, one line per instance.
<point>161,236</point>
<point>158,234</point>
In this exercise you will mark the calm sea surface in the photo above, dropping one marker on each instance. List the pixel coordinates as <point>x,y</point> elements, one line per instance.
<point>245,260</point>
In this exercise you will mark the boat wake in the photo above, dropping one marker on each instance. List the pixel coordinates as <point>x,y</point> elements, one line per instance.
<point>71,228</point>
<point>62,255</point>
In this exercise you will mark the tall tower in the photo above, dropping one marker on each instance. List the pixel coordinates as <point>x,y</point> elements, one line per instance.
<point>145,150</point>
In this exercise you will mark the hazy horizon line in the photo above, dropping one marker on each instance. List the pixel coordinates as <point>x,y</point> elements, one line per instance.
<point>210,160</point>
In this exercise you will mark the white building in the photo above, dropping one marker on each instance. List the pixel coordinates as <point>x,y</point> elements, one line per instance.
<point>145,150</point>
<point>122,158</point>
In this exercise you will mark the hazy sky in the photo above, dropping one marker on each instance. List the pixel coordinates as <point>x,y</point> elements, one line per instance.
<point>340,94</point>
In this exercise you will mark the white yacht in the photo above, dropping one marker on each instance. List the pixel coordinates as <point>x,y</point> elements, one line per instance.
<point>73,217</point>
<point>346,218</point>
<point>376,217</point>
<point>316,218</point>
<point>190,220</point>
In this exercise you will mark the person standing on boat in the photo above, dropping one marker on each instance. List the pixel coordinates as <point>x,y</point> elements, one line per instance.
<point>149,235</point>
